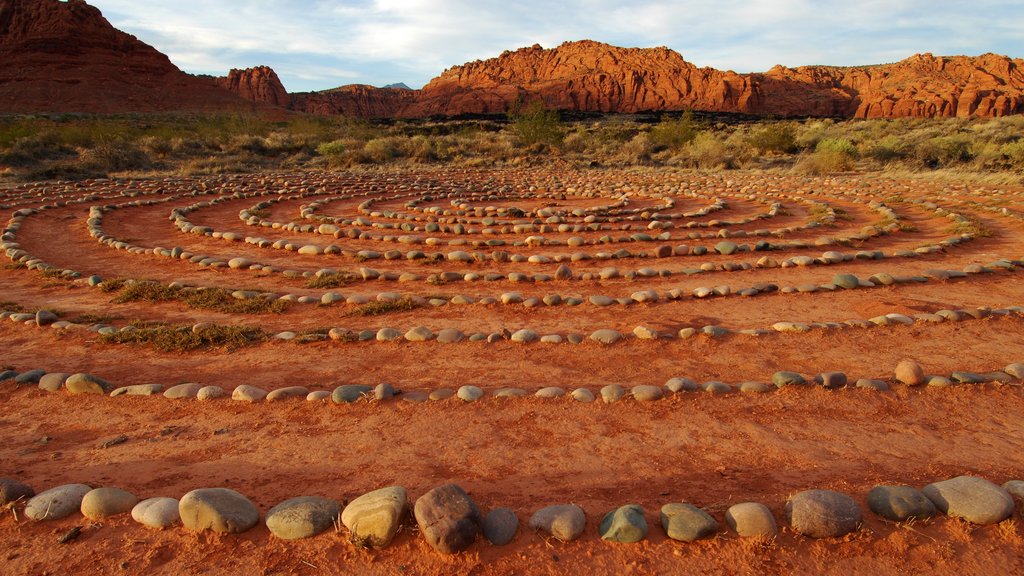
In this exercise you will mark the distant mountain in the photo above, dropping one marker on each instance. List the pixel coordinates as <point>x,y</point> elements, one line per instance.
<point>65,57</point>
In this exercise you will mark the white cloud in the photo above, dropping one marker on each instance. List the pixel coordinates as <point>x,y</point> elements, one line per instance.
<point>383,41</point>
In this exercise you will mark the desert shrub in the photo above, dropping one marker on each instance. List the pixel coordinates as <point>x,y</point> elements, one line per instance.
<point>379,308</point>
<point>944,151</point>
<point>674,134</point>
<point>382,150</point>
<point>535,124</point>
<point>332,148</point>
<point>116,156</point>
<point>886,149</point>
<point>775,137</point>
<point>217,299</point>
<point>184,339</point>
<point>1014,153</point>
<point>830,155</point>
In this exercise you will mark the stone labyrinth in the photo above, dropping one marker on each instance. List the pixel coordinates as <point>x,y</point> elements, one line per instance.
<point>463,286</point>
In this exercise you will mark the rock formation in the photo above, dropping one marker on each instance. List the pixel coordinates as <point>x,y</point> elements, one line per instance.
<point>66,57</point>
<point>259,84</point>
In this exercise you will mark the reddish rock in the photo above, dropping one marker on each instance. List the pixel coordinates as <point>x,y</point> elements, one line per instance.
<point>355,100</point>
<point>259,84</point>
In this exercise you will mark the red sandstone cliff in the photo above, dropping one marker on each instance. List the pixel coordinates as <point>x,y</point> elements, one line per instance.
<point>66,57</point>
<point>259,84</point>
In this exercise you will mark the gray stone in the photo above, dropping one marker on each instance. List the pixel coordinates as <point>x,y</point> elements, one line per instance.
<point>686,522</point>
<point>30,377</point>
<point>606,336</point>
<point>450,336</point>
<point>612,393</point>
<point>831,380</point>
<point>53,381</point>
<point>846,281</point>
<point>441,394</point>
<point>108,501</point>
<point>900,503</point>
<point>11,491</point>
<point>349,393</point>
<point>625,524</point>
<point>1016,370</point>
<point>318,396</point>
<point>878,385</point>
<point>646,393</point>
<point>302,517</point>
<point>675,385</point>
<point>726,248</point>
<point>823,514</point>
<point>715,387</point>
<point>45,318</point>
<point>500,526</point>
<point>136,390</point>
<point>287,393</point>
<point>448,519</point>
<point>756,387</point>
<point>525,336</point>
<point>384,391</point>
<point>56,503</point>
<point>562,521</point>
<point>83,383</point>
<point>419,334</point>
<point>217,509</point>
<point>582,395</point>
<point>783,378</point>
<point>550,392</point>
<point>375,517</point>
<point>1015,488</point>
<point>189,390</point>
<point>974,499</point>
<point>207,393</point>
<point>751,520</point>
<point>470,393</point>
<point>157,513</point>
<point>246,393</point>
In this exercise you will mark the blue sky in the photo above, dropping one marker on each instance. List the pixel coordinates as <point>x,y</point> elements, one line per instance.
<point>320,44</point>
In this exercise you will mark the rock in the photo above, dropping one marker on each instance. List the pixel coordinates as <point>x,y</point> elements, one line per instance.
<point>564,521</point>
<point>11,491</point>
<point>726,248</point>
<point>910,373</point>
<point>448,519</point>
<point>384,391</point>
<point>56,503</point>
<point>470,393</point>
<point>375,517</point>
<point>606,336</point>
<point>302,517</point>
<point>1015,488</point>
<point>846,281</point>
<point>900,503</point>
<point>441,394</point>
<point>626,524</point>
<point>647,393</point>
<point>525,336</point>
<point>239,263</point>
<point>1016,370</point>
<point>246,393</point>
<point>157,513</point>
<point>783,378</point>
<point>189,390</point>
<point>103,502</point>
<point>348,393</point>
<point>550,392</point>
<point>287,393</point>
<point>676,385</point>
<point>645,333</point>
<point>500,526</point>
<point>831,380</point>
<point>138,390</point>
<point>756,387</point>
<point>83,383</point>
<point>686,522</point>
<point>878,385</point>
<point>30,377</point>
<point>318,396</point>
<point>450,336</point>
<point>751,520</point>
<point>207,393</point>
<point>582,395</point>
<point>419,334</point>
<point>822,514</point>
<point>53,381</point>
<point>217,509</point>
<point>612,393</point>
<point>974,499</point>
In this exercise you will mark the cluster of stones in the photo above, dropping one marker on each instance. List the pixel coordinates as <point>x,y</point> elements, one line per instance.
<point>907,372</point>
<point>450,521</point>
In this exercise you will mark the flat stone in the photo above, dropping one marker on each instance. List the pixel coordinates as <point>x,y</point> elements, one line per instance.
<point>726,248</point>
<point>686,522</point>
<point>500,526</point>
<point>136,390</point>
<point>606,336</point>
<point>715,387</point>
<point>974,499</point>
<point>349,393</point>
<point>217,509</point>
<point>625,524</point>
<point>302,517</point>
<point>448,519</point>
<point>900,503</point>
<point>384,391</point>
<point>647,393</point>
<point>612,393</point>
<point>910,373</point>
<point>11,491</point>
<point>375,517</point>
<point>419,334</point>
<point>157,513</point>
<point>53,381</point>
<point>751,520</point>
<point>287,393</point>
<point>846,281</point>
<point>441,394</point>
<point>83,383</point>
<point>470,393</point>
<point>108,501</point>
<point>180,391</point>
<point>318,396</point>
<point>450,336</point>
<point>207,393</point>
<point>562,521</point>
<point>757,387</point>
<point>246,393</point>
<point>831,380</point>
<point>676,385</point>
<point>29,377</point>
<point>879,385</point>
<point>525,336</point>
<point>583,395</point>
<point>57,503</point>
<point>550,392</point>
<point>783,378</point>
<point>823,513</point>
<point>645,333</point>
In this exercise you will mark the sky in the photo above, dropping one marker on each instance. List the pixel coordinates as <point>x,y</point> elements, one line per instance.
<point>321,44</point>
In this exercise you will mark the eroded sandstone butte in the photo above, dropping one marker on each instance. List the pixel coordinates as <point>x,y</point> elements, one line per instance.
<point>66,57</point>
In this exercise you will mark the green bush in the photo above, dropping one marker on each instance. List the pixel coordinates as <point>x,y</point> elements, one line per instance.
<point>333,148</point>
<point>944,151</point>
<point>776,137</point>
<point>674,134</point>
<point>887,149</point>
<point>537,125</point>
